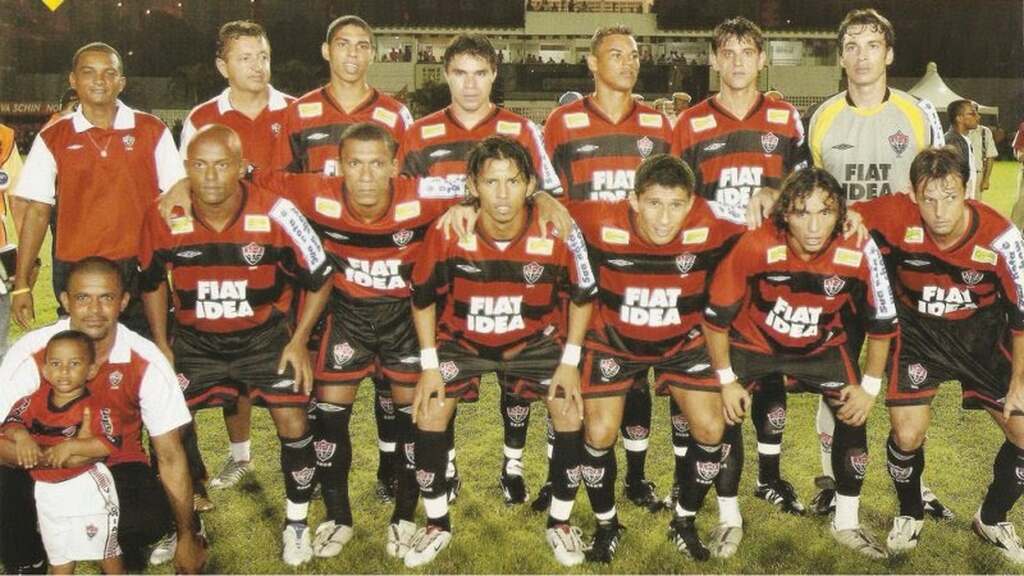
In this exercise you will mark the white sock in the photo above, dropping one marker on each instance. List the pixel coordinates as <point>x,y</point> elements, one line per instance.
<point>729,511</point>
<point>846,512</point>
<point>240,451</point>
<point>449,472</point>
<point>436,507</point>
<point>825,423</point>
<point>296,512</point>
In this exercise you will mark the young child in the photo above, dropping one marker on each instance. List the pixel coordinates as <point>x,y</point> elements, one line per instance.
<point>57,433</point>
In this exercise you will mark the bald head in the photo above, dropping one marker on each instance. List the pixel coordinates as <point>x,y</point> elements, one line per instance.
<point>219,134</point>
<point>214,165</point>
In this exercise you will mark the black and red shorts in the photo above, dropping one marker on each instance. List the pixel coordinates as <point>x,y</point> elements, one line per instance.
<point>824,373</point>
<point>607,372</point>
<point>524,369</point>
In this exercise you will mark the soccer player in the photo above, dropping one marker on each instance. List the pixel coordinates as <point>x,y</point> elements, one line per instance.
<point>229,263</point>
<point>782,302</point>
<point>595,145</point>
<point>76,503</point>
<point>653,255</point>
<point>99,169</point>
<point>435,150</point>
<point>958,273</point>
<point>739,142</point>
<point>866,136</point>
<point>373,224</point>
<point>137,382</point>
<point>500,292</point>
<point>255,111</point>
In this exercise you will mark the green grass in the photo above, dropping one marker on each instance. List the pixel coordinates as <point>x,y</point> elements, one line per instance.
<point>490,538</point>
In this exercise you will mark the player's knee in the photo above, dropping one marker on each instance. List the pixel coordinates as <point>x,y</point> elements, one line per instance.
<point>907,437</point>
<point>600,433</point>
<point>707,427</point>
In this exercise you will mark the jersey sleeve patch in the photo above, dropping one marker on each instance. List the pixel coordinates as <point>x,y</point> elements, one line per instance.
<point>984,255</point>
<point>585,279</point>
<point>182,225</point>
<point>301,233</point>
<point>934,124</point>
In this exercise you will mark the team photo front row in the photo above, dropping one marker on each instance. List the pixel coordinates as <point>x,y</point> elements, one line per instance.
<point>573,307</point>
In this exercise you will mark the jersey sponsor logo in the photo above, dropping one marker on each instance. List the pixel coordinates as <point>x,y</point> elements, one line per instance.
<point>865,181</point>
<point>301,233</point>
<point>917,263</point>
<point>451,186</point>
<point>778,277</point>
<point>972,277</point>
<point>703,123</point>
<point>847,257</point>
<point>614,235</point>
<point>252,253</point>
<point>407,210</point>
<point>939,301</point>
<point>778,116</point>
<point>984,256</point>
<point>576,120</point>
<point>328,207</point>
<point>611,185</point>
<point>695,235</point>
<point>652,307</point>
<point>189,254</point>
<point>310,109</point>
<point>685,262</point>
<point>385,116</point>
<point>216,299</point>
<point>914,235</point>
<point>74,147</point>
<point>609,368</point>
<point>917,374</point>
<point>769,142</point>
<point>645,146</point>
<point>441,153</point>
<point>449,370</point>
<point>833,285</point>
<point>587,149</point>
<point>468,244</point>
<point>508,128</point>
<point>256,223</point>
<point>794,321</point>
<point>777,254</point>
<point>899,141</point>
<point>181,225</point>
<point>336,235</point>
<point>317,136</point>
<point>324,450</point>
<point>842,146</point>
<point>736,184</point>
<point>432,131</point>
<point>375,274</point>
<point>468,269</point>
<point>648,120</point>
<point>696,368</point>
<point>540,246</point>
<point>620,263</point>
<point>114,379</point>
<point>532,272</point>
<point>714,146</point>
<point>517,415</point>
<point>495,314</point>
<point>342,353</point>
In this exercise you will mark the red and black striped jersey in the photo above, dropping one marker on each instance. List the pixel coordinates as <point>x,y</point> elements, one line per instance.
<point>314,123</point>
<point>496,297</point>
<point>983,270</point>
<point>436,147</point>
<point>651,298</point>
<point>776,302</point>
<point>733,158</point>
<point>596,158</point>
<point>50,425</point>
<point>374,260</point>
<point>238,278</point>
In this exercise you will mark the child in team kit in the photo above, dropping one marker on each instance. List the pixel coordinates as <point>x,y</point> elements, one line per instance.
<point>57,433</point>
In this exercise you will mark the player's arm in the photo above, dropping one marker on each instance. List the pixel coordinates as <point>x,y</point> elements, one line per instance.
<point>296,352</point>
<point>153,284</point>
<point>725,296</point>
<point>98,437</point>
<point>27,453</point>
<point>1010,271</point>
<point>190,555</point>
<point>583,288</point>
<point>37,186</point>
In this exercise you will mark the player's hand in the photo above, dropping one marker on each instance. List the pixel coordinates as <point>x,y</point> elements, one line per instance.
<point>429,385</point>
<point>735,402</point>
<point>57,456</point>
<point>854,226</point>
<point>1014,399</point>
<point>296,355</point>
<point>984,185</point>
<point>856,405</point>
<point>459,219</point>
<point>28,452</point>
<point>567,379</point>
<point>24,309</point>
<point>179,196</point>
<point>760,207</point>
<point>190,556</point>
<point>551,211</point>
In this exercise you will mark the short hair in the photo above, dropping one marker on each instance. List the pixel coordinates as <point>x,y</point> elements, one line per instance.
<point>498,148</point>
<point>867,17</point>
<point>936,164</point>
<point>98,47</point>
<point>663,170</point>
<point>956,108</point>
<point>800,185</point>
<point>238,29</point>
<point>739,28</point>
<point>474,45</point>
<point>368,132</point>
<point>605,31</point>
<point>74,336</point>
<point>349,20</point>
<point>94,265</point>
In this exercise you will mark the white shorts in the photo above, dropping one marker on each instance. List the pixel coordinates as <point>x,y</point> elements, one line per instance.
<point>78,517</point>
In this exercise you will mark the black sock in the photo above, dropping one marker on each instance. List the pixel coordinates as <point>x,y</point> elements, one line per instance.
<point>406,491</point>
<point>196,466</point>
<point>1007,484</point>
<point>599,469</point>
<point>515,417</point>
<point>727,483</point>
<point>905,469</point>
<point>768,413</point>
<point>680,438</point>
<point>298,465</point>
<point>849,457</point>
<point>636,430</point>
<point>700,468</point>
<point>333,447</point>
<point>565,470</point>
<point>550,433</point>
<point>431,461</point>
<point>384,415</point>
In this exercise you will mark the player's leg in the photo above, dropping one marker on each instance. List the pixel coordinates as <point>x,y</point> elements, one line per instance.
<point>238,422</point>
<point>636,433</point>
<point>146,517</point>
<point>21,548</point>
<point>850,460</point>
<point>298,468</point>
<point>402,528</point>
<point>384,417</point>
<point>602,417</point>
<point>727,482</point>
<point>66,568</point>
<point>565,474</point>
<point>904,452</point>
<point>990,522</point>
<point>112,565</point>
<point>543,499</point>
<point>196,467</point>
<point>768,414</point>
<point>680,445</point>
<point>824,502</point>
<point>515,418</point>
<point>451,470</point>
<point>701,465</point>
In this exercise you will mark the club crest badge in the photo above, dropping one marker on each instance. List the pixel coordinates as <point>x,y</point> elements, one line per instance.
<point>645,146</point>
<point>972,277</point>
<point>609,368</point>
<point>833,285</point>
<point>532,272</point>
<point>252,253</point>
<point>769,142</point>
<point>685,262</point>
<point>917,373</point>
<point>402,237</point>
<point>342,353</point>
<point>899,142</point>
